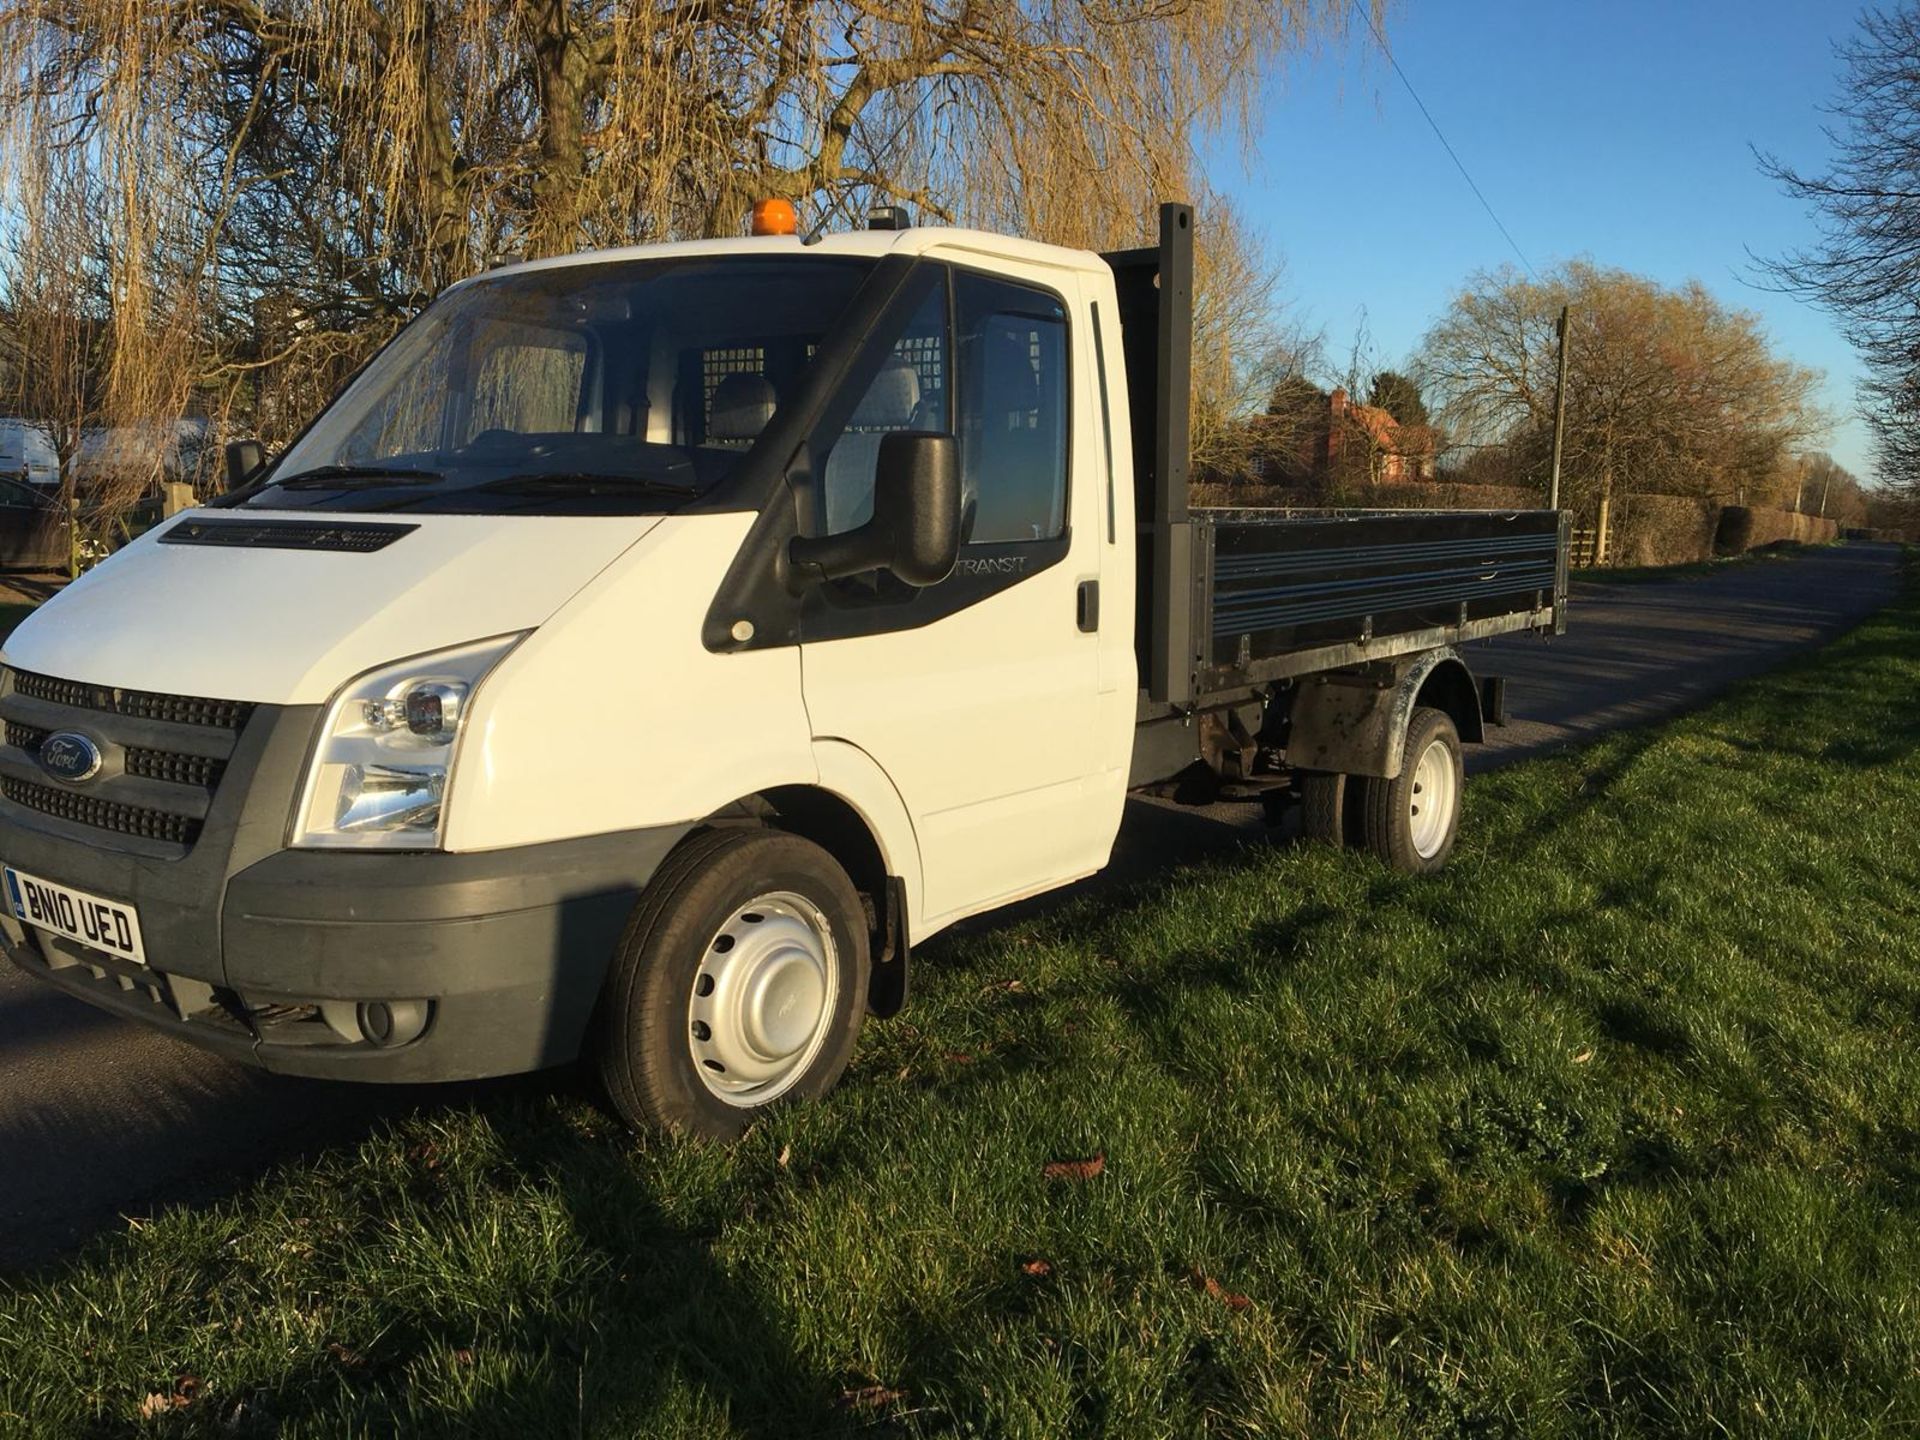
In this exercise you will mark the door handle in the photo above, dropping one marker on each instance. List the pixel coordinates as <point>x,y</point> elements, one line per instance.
<point>1088,610</point>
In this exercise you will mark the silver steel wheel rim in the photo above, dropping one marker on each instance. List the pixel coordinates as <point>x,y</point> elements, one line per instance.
<point>1431,799</point>
<point>763,998</point>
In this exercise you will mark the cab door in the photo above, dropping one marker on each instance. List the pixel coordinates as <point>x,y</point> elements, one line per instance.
<point>981,697</point>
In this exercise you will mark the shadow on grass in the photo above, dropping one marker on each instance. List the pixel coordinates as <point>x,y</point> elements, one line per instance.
<point>654,1326</point>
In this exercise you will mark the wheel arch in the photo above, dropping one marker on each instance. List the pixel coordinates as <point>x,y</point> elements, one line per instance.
<point>884,868</point>
<point>1449,687</point>
<point>1355,721</point>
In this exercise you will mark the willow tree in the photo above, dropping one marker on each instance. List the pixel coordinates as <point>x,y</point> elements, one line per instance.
<point>284,181</point>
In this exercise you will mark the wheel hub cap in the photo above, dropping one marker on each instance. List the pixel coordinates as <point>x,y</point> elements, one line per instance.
<point>1431,800</point>
<point>763,998</point>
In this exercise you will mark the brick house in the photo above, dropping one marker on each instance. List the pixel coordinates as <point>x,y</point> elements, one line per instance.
<point>1310,437</point>
<point>1366,434</point>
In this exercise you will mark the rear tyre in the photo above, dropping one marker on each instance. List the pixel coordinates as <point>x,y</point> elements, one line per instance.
<point>740,984</point>
<point>1323,807</point>
<point>1412,820</point>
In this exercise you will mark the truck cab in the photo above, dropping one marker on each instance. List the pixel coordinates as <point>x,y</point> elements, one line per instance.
<point>639,656</point>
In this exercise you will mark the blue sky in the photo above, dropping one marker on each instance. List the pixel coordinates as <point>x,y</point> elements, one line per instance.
<point>1620,130</point>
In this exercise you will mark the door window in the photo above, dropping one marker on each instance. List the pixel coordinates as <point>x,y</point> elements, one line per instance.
<point>908,393</point>
<point>1012,358</point>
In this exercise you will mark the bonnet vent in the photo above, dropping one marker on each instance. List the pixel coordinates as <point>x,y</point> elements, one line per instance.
<point>285,535</point>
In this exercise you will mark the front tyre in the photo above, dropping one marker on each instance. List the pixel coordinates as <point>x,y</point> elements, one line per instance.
<point>740,982</point>
<point>1411,821</point>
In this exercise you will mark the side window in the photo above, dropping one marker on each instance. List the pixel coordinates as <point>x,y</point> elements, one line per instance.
<point>910,392</point>
<point>407,421</point>
<point>526,379</point>
<point>1011,345</point>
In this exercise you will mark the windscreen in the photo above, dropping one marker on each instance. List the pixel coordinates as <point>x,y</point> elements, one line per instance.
<point>629,387</point>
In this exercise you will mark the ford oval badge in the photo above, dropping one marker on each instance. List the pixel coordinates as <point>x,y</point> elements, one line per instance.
<point>70,757</point>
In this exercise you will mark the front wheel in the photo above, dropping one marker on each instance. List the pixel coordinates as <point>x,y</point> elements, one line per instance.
<point>740,983</point>
<point>1412,820</point>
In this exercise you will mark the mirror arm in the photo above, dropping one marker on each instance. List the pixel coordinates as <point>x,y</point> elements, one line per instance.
<point>814,558</point>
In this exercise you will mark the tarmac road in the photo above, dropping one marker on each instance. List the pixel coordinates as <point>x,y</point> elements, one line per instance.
<point>100,1118</point>
<point>1634,652</point>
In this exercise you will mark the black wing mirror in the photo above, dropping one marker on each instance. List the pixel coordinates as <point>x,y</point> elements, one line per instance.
<point>915,529</point>
<point>245,459</point>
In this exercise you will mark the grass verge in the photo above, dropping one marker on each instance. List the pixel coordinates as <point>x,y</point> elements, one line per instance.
<point>1700,569</point>
<point>1610,1130</point>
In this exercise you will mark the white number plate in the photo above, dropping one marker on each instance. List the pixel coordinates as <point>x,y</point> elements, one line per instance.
<point>104,924</point>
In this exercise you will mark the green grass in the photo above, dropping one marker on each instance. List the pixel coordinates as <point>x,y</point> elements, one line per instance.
<point>1613,1129</point>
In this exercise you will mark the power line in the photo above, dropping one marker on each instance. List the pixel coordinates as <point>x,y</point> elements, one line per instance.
<point>1380,39</point>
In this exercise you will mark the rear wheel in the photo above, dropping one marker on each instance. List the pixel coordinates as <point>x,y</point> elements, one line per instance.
<point>1412,820</point>
<point>1330,809</point>
<point>740,983</point>
<point>1323,807</point>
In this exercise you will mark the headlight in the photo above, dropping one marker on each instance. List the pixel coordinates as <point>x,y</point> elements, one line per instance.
<point>385,756</point>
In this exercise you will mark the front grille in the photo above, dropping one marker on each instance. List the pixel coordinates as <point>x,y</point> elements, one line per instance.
<point>176,769</point>
<point>58,692</point>
<point>139,704</point>
<point>184,709</point>
<point>160,749</point>
<point>101,814</point>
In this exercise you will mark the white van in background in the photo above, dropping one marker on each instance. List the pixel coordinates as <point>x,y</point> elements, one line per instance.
<point>27,453</point>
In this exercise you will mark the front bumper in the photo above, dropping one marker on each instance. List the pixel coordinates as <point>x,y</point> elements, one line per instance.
<point>500,953</point>
<point>492,960</point>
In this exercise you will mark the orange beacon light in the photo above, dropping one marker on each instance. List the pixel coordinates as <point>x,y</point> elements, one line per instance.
<point>775,217</point>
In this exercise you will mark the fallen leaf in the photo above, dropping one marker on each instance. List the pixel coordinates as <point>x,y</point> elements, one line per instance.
<point>1075,1169</point>
<point>959,1057</point>
<point>463,1356</point>
<point>786,1154</point>
<point>1012,987</point>
<point>1037,1267</point>
<point>346,1358</point>
<point>870,1397</point>
<point>186,1389</point>
<point>1232,1299</point>
<point>1583,1056</point>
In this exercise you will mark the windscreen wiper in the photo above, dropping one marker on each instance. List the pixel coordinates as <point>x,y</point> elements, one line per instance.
<point>348,477</point>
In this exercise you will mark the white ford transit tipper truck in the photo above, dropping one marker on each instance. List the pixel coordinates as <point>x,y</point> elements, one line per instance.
<point>648,647</point>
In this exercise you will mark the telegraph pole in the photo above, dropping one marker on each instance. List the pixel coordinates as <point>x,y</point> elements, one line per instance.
<point>1559,409</point>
